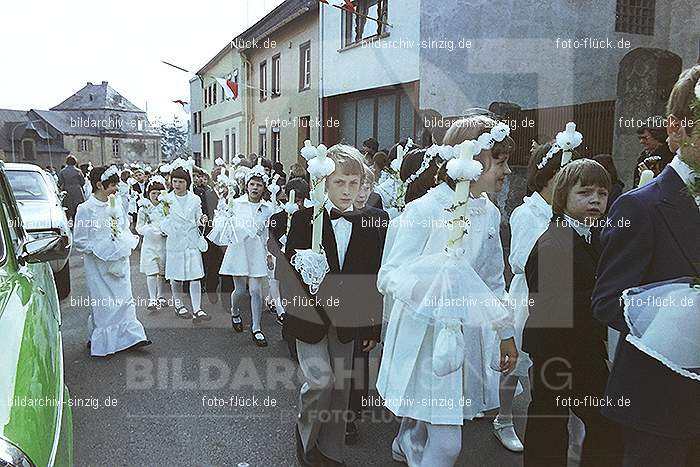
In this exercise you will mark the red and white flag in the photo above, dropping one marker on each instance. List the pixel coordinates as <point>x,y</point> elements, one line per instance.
<point>230,87</point>
<point>344,4</point>
<point>185,105</point>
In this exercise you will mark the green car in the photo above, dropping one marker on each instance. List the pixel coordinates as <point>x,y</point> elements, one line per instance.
<point>36,427</point>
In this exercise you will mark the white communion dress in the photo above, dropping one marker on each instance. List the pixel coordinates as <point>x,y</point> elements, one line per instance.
<point>183,260</point>
<point>423,281</point>
<point>242,226</point>
<point>102,234</point>
<point>148,224</point>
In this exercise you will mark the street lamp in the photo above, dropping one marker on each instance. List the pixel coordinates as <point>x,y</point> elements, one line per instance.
<point>12,137</point>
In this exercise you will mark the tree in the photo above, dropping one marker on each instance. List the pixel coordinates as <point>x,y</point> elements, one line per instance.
<point>174,140</point>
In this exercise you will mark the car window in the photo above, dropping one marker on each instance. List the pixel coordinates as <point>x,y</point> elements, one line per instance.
<point>14,220</point>
<point>28,185</point>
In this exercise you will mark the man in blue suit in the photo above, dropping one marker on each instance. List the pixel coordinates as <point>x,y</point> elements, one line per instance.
<point>655,236</point>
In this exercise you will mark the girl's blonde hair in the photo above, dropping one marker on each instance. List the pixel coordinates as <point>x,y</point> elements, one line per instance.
<point>348,160</point>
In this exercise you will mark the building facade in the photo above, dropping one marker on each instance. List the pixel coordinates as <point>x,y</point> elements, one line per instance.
<point>96,124</point>
<point>220,125</point>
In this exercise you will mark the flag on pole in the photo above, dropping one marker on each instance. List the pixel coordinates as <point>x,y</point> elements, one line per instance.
<point>185,105</point>
<point>230,87</point>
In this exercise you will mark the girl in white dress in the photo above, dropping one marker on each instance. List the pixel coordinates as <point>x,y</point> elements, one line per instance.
<point>434,405</point>
<point>101,233</point>
<point>184,244</point>
<point>148,224</point>
<point>527,223</point>
<point>243,228</point>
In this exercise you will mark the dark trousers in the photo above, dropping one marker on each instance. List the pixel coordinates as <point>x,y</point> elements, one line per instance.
<point>214,283</point>
<point>557,386</point>
<point>649,450</point>
<point>360,378</point>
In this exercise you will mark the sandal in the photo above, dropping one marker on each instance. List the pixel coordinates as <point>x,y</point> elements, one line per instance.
<point>259,341</point>
<point>182,312</point>
<point>237,323</point>
<point>200,315</point>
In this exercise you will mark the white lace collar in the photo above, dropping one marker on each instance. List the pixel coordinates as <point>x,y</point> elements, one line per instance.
<point>538,205</point>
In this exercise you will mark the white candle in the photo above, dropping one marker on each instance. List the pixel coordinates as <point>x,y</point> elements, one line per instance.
<point>319,195</point>
<point>645,177</point>
<point>459,216</point>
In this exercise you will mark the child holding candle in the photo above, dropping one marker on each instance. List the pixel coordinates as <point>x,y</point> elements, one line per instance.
<point>346,307</point>
<point>184,246</point>
<point>246,257</point>
<point>563,339</point>
<point>148,224</point>
<point>412,367</point>
<point>101,233</point>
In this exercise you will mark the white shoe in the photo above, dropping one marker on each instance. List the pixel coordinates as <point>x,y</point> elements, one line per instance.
<point>505,432</point>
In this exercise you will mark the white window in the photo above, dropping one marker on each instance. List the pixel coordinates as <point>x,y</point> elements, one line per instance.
<point>305,66</point>
<point>84,145</point>
<point>263,81</point>
<point>115,147</point>
<point>276,77</point>
<point>275,144</point>
<point>262,142</point>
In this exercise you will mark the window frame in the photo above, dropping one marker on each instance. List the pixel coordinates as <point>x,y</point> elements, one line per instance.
<point>262,142</point>
<point>262,81</point>
<point>628,17</point>
<point>349,19</point>
<point>275,88</point>
<point>304,70</point>
<point>115,144</point>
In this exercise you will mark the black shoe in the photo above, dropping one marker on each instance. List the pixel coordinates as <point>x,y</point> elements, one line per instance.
<point>237,323</point>
<point>351,433</point>
<point>182,312</point>
<point>280,319</point>
<point>259,338</point>
<point>199,316</point>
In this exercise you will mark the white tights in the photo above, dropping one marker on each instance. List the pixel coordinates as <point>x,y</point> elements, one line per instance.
<point>156,286</point>
<point>255,285</point>
<point>195,294</point>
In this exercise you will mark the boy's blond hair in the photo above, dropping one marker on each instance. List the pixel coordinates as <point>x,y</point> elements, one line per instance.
<point>348,160</point>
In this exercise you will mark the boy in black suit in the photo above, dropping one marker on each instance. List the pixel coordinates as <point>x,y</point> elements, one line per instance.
<point>347,308</point>
<point>563,339</point>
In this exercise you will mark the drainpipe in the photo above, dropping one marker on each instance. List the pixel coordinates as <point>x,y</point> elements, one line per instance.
<point>248,110</point>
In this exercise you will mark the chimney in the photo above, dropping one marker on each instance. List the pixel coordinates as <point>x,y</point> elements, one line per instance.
<point>104,83</point>
<point>89,83</point>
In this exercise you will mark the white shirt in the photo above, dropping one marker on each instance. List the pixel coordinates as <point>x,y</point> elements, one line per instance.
<point>580,227</point>
<point>342,228</point>
<point>684,171</point>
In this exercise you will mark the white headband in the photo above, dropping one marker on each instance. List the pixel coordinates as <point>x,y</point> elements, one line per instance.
<point>112,170</point>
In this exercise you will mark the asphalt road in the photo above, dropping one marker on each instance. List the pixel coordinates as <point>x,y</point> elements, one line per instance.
<point>174,403</point>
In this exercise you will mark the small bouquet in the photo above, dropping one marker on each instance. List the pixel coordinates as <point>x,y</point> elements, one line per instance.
<point>164,202</point>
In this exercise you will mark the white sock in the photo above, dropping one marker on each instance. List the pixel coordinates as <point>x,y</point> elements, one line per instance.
<point>176,288</point>
<point>239,283</point>
<point>161,287</point>
<point>506,393</point>
<point>276,298</point>
<point>255,285</point>
<point>196,295</point>
<point>152,284</point>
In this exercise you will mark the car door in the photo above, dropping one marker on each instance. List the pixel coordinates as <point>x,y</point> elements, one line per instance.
<point>31,361</point>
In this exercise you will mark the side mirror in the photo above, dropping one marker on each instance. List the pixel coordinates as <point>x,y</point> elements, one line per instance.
<point>50,248</point>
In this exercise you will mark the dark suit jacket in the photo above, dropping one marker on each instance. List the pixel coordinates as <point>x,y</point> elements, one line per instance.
<point>374,201</point>
<point>560,274</point>
<point>348,298</point>
<point>654,237</point>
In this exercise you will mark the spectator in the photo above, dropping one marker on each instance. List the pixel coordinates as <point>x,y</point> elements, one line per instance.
<point>71,180</point>
<point>369,147</point>
<point>655,154</point>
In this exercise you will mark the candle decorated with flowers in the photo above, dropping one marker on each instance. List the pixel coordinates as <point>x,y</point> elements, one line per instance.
<point>320,167</point>
<point>462,170</point>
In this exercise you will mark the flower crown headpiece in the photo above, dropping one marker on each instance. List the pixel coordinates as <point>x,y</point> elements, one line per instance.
<point>257,171</point>
<point>485,141</point>
<point>181,163</point>
<point>155,179</point>
<point>111,171</point>
<point>565,141</point>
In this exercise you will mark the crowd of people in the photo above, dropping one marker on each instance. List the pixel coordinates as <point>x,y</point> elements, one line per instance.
<point>456,341</point>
